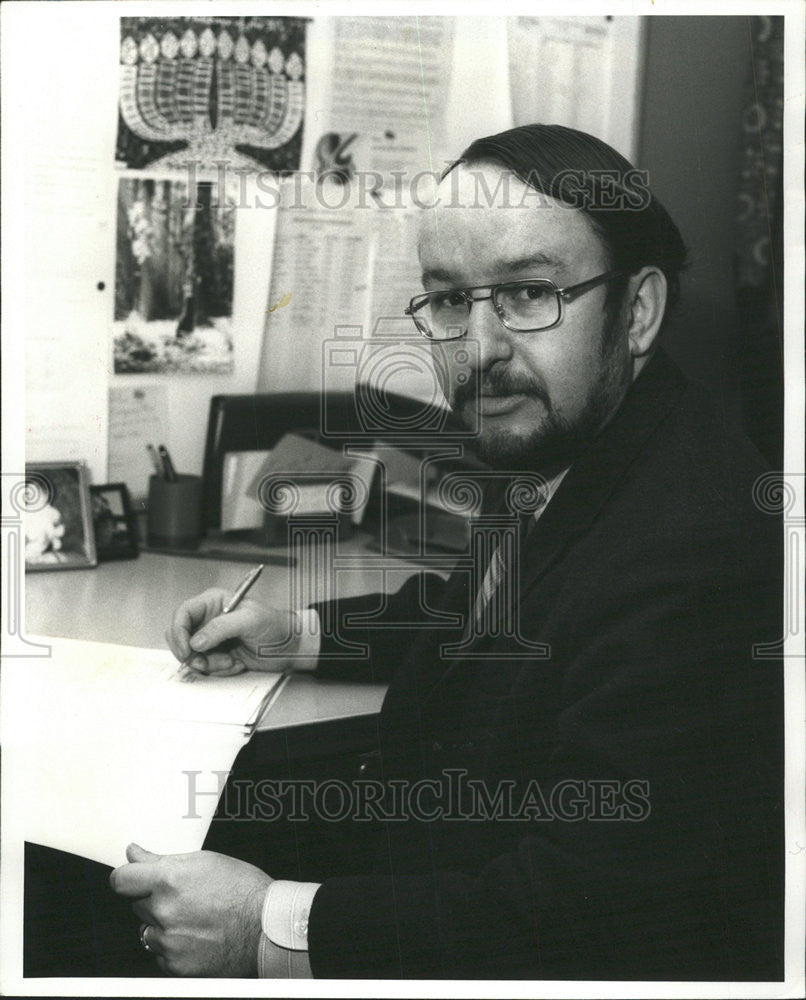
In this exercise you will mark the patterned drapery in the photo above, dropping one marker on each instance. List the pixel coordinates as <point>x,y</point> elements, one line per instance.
<point>759,238</point>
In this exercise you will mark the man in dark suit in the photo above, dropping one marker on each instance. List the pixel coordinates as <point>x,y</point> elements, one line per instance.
<point>613,755</point>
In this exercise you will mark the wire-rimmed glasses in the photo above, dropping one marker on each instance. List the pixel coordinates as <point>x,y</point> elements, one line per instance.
<point>525,306</point>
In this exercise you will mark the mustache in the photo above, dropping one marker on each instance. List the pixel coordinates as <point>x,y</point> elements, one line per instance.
<point>497,382</point>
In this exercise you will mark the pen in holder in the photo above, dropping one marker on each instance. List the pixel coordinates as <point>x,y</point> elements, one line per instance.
<point>174,512</point>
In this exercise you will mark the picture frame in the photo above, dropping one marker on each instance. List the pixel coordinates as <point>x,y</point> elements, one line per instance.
<point>114,522</point>
<point>57,519</point>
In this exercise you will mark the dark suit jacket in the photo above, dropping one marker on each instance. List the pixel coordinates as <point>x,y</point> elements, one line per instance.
<point>651,575</point>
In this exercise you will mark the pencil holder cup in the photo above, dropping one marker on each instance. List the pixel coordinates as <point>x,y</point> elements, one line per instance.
<point>174,512</point>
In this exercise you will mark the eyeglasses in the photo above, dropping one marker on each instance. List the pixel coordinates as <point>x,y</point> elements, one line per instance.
<point>525,306</point>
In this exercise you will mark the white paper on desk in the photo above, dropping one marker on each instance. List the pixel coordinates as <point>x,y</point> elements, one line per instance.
<point>108,745</point>
<point>240,511</point>
<point>91,679</point>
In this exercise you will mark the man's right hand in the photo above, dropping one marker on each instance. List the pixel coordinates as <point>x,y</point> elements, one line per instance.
<point>252,637</point>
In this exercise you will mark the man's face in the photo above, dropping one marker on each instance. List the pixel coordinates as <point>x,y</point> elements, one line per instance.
<point>537,396</point>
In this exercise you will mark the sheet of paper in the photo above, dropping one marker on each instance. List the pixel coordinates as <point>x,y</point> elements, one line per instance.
<point>396,274</point>
<point>111,744</point>
<point>295,455</point>
<point>556,67</point>
<point>302,458</point>
<point>339,288</point>
<point>93,790</point>
<point>401,358</point>
<point>364,466</point>
<point>239,511</point>
<point>90,679</point>
<point>137,417</point>
<point>319,289</point>
<point>388,83</point>
<point>580,71</point>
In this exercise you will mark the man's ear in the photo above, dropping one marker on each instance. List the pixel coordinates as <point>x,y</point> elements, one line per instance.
<point>647,300</point>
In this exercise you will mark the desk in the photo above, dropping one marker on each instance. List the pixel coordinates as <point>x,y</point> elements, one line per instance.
<point>131,603</point>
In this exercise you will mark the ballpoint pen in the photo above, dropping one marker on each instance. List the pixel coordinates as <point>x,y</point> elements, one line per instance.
<point>159,468</point>
<point>167,464</point>
<point>241,591</point>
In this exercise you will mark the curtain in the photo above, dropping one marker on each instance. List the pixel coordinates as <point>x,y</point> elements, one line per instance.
<point>759,239</point>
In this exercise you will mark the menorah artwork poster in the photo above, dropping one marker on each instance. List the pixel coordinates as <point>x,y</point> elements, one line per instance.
<point>173,278</point>
<point>211,90</point>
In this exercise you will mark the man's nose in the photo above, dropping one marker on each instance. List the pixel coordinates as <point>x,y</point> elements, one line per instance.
<point>492,337</point>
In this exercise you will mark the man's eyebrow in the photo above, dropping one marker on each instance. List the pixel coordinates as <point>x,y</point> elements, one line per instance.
<point>533,260</point>
<point>437,274</point>
<point>502,266</point>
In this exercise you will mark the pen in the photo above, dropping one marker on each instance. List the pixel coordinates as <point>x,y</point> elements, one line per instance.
<point>241,591</point>
<point>170,472</point>
<point>155,459</point>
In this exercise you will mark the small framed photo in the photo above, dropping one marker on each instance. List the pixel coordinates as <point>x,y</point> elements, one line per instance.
<point>56,519</point>
<point>114,522</point>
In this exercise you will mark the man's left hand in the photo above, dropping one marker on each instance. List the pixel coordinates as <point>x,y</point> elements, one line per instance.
<point>202,910</point>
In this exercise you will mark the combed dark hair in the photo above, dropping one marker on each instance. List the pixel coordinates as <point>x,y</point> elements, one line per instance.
<point>584,172</point>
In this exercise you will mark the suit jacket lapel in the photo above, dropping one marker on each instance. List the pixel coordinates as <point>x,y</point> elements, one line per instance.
<point>598,470</point>
<point>591,479</point>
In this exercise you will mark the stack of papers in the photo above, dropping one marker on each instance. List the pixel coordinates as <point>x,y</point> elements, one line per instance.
<point>107,744</point>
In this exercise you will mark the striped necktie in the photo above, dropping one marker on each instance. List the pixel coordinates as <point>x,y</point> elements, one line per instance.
<point>497,599</point>
<point>495,610</point>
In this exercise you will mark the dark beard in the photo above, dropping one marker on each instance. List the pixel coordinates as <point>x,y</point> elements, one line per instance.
<point>553,447</point>
<point>556,443</point>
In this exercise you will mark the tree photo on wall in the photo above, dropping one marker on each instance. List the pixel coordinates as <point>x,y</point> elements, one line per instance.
<point>174,278</point>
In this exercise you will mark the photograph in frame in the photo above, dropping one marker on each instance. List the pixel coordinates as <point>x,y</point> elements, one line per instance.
<point>57,524</point>
<point>114,522</point>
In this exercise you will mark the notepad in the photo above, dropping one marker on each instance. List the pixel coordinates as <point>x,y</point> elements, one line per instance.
<point>108,744</point>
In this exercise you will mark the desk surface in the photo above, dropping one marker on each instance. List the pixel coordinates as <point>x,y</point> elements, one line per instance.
<point>131,603</point>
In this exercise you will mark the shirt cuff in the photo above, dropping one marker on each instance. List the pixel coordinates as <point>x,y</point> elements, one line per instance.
<point>282,951</point>
<point>307,654</point>
<point>281,963</point>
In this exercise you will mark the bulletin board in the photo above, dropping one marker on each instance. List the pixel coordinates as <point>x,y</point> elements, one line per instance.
<point>153,277</point>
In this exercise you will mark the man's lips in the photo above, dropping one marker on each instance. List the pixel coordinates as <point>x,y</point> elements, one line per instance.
<point>494,405</point>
